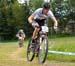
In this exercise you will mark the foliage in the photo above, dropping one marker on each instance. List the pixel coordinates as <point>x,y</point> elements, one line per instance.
<point>14,16</point>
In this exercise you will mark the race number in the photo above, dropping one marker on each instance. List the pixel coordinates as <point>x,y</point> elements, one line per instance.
<point>44,28</point>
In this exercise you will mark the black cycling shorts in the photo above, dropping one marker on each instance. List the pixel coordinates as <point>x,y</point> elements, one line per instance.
<point>40,22</point>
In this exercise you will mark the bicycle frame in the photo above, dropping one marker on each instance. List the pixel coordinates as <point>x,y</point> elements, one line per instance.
<point>42,35</point>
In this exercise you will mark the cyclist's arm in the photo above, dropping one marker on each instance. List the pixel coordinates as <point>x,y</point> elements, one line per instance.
<point>53,18</point>
<point>17,35</point>
<point>24,35</point>
<point>55,21</point>
<point>30,19</point>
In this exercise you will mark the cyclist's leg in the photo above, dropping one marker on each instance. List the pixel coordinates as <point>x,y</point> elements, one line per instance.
<point>37,29</point>
<point>21,42</point>
<point>35,33</point>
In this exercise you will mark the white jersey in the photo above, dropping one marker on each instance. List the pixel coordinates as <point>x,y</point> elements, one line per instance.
<point>39,15</point>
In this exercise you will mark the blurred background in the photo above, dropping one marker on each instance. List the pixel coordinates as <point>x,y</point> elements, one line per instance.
<point>14,15</point>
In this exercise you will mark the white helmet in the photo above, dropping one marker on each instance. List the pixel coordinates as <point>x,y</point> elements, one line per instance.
<point>21,30</point>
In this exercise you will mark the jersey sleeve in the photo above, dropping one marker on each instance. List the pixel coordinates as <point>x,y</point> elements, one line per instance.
<point>50,14</point>
<point>36,12</point>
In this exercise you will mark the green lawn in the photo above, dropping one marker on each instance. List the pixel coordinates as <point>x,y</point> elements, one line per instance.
<point>66,44</point>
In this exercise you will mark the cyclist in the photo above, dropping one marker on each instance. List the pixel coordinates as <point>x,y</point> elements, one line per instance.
<point>37,19</point>
<point>20,35</point>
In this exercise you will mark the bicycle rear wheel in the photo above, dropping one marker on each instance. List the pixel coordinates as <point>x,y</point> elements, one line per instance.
<point>42,54</point>
<point>30,51</point>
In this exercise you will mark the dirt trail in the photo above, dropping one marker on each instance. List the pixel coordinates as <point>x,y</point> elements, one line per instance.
<point>15,56</point>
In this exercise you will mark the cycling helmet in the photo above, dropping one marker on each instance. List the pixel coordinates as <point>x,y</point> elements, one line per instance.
<point>21,30</point>
<point>46,5</point>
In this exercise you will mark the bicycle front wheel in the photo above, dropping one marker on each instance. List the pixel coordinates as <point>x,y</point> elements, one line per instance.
<point>42,54</point>
<point>30,51</point>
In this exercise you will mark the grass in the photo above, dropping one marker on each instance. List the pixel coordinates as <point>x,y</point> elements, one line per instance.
<point>9,48</point>
<point>66,44</point>
<point>59,44</point>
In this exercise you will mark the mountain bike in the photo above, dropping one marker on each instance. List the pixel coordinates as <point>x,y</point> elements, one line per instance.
<point>39,47</point>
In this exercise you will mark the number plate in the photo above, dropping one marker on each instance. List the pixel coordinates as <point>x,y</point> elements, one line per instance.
<point>44,28</point>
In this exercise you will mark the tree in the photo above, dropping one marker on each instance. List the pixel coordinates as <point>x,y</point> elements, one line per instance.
<point>64,11</point>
